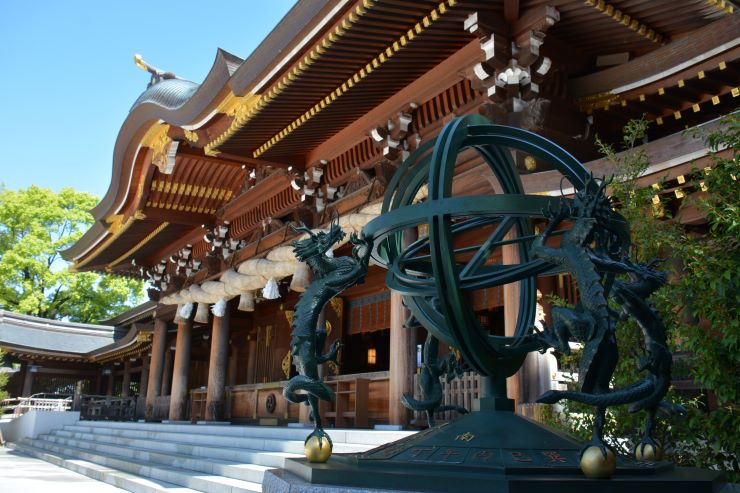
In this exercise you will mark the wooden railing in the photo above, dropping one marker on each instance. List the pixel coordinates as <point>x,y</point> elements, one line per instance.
<point>101,407</point>
<point>21,405</point>
<point>458,392</point>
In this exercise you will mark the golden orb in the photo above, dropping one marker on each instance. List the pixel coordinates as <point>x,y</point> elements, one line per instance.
<point>315,451</point>
<point>649,452</point>
<point>595,466</point>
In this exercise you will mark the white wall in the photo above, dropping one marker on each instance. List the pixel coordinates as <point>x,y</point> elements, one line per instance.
<point>35,423</point>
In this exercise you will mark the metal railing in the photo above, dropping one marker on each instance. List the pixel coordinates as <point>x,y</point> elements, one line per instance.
<point>19,405</point>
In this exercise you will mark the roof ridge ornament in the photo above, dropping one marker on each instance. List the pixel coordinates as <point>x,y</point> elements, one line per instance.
<point>158,75</point>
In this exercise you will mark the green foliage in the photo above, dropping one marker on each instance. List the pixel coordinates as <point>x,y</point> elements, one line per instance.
<point>35,224</point>
<point>3,381</point>
<point>699,306</point>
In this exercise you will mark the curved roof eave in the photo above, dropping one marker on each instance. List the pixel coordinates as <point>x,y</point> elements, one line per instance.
<point>144,111</point>
<point>280,38</point>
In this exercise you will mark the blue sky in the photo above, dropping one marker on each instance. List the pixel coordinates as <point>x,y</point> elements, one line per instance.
<point>68,78</point>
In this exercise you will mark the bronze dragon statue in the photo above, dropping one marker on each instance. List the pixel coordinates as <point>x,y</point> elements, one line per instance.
<point>331,277</point>
<point>593,256</point>
<point>432,368</point>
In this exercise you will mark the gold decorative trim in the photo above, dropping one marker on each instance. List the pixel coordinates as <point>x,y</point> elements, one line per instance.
<point>337,304</point>
<point>721,6</point>
<point>144,336</point>
<point>163,153</point>
<point>363,72</point>
<point>190,135</point>
<point>244,109</point>
<point>116,229</point>
<point>627,21</point>
<point>178,188</point>
<point>289,316</point>
<point>140,244</point>
<point>285,365</point>
<point>602,100</point>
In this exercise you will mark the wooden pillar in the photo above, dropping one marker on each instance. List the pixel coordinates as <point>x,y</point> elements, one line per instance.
<point>144,384</point>
<point>111,383</point>
<point>77,397</point>
<point>402,353</point>
<point>179,396</point>
<point>155,367</point>
<point>27,380</point>
<point>167,373</point>
<point>509,256</point>
<point>218,362</point>
<point>126,384</point>
<point>233,365</point>
<point>252,359</point>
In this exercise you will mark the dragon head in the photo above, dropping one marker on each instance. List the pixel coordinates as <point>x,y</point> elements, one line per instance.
<point>317,243</point>
<point>592,208</point>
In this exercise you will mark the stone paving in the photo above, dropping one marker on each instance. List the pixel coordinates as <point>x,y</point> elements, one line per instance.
<point>22,474</point>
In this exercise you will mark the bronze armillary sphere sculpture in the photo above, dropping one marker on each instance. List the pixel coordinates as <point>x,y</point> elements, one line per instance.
<point>438,273</point>
<point>437,278</point>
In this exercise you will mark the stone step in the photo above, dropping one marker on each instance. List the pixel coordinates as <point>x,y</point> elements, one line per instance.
<point>235,469</point>
<point>353,436</point>
<point>241,455</point>
<point>182,477</point>
<point>254,443</point>
<point>120,479</point>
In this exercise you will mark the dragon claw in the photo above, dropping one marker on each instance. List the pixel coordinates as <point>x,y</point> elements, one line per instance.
<point>596,442</point>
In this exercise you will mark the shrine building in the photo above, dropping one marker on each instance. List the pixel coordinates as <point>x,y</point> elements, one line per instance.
<point>209,176</point>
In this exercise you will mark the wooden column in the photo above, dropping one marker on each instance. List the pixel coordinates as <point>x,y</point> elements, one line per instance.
<point>218,362</point>
<point>179,396</point>
<point>126,384</point>
<point>111,382</point>
<point>27,380</point>
<point>144,384</point>
<point>402,353</point>
<point>252,359</point>
<point>167,373</point>
<point>510,255</point>
<point>155,367</point>
<point>233,365</point>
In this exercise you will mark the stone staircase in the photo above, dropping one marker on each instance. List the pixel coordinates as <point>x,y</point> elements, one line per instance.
<point>179,458</point>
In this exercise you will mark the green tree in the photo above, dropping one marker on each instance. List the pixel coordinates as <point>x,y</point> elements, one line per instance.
<point>3,381</point>
<point>35,224</point>
<point>699,305</point>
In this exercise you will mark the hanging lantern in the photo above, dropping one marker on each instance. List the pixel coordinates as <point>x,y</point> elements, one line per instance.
<point>271,290</point>
<point>201,315</point>
<point>372,356</point>
<point>219,309</point>
<point>246,302</point>
<point>301,278</point>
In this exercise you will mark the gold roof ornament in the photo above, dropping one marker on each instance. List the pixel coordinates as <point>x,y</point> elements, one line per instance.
<point>156,73</point>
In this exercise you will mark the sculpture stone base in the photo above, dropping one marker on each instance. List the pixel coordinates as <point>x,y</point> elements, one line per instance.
<point>484,451</point>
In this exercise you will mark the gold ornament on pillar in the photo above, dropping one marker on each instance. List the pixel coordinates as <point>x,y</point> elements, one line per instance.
<point>337,304</point>
<point>334,368</point>
<point>285,365</point>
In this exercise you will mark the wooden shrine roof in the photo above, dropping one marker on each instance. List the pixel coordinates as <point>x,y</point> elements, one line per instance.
<point>185,152</point>
<point>38,338</point>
